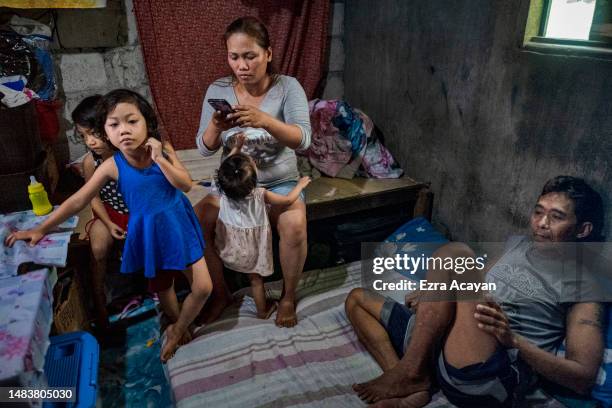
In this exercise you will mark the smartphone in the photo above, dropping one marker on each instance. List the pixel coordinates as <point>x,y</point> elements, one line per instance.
<point>221,105</point>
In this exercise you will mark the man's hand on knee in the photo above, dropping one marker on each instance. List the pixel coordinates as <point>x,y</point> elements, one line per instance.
<point>491,319</point>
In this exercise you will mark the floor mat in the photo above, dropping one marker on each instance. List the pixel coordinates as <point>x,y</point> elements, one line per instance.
<point>132,375</point>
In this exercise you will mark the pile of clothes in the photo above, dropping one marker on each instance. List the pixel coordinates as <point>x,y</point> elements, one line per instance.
<point>27,73</point>
<point>345,143</point>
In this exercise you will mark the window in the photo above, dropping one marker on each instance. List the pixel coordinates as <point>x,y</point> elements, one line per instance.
<point>570,25</point>
<point>568,19</point>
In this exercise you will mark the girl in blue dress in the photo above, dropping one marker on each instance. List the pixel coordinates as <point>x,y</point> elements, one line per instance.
<point>164,235</point>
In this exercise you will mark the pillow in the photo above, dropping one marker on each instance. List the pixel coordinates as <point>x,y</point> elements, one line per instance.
<point>415,238</point>
<point>417,230</point>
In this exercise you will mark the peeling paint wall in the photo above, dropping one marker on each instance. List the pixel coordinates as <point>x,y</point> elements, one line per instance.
<point>463,105</point>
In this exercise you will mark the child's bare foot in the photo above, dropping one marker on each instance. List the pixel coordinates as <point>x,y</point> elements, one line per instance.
<point>171,344</point>
<point>185,338</point>
<point>270,308</point>
<point>286,316</point>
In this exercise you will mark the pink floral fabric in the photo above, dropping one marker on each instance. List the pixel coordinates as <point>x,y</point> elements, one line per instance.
<point>344,141</point>
<point>25,321</point>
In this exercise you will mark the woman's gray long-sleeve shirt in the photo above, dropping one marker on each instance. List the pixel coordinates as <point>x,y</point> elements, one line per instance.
<point>286,101</point>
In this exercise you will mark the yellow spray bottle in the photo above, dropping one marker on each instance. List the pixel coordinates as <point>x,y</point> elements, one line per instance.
<point>38,197</point>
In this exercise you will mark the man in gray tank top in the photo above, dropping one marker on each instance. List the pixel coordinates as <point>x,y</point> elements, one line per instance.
<point>489,353</point>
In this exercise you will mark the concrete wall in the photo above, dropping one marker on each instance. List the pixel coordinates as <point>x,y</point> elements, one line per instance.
<point>96,51</point>
<point>463,105</point>
<point>334,85</point>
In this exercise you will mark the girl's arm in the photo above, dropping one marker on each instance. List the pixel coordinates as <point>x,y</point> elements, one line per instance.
<point>96,203</point>
<point>238,142</point>
<point>171,166</point>
<point>279,199</point>
<point>74,204</point>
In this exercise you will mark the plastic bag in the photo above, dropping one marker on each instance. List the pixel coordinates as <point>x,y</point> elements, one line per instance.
<point>38,36</point>
<point>17,57</point>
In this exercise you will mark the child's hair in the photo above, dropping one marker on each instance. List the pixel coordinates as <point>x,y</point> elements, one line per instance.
<point>85,112</point>
<point>84,115</point>
<point>109,102</point>
<point>237,176</point>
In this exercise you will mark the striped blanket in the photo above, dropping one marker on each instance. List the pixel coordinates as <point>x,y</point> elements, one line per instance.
<point>241,361</point>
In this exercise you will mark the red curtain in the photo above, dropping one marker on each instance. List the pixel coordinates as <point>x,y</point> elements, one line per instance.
<point>182,43</point>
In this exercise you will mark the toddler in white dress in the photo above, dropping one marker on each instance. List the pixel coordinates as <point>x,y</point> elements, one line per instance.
<point>243,235</point>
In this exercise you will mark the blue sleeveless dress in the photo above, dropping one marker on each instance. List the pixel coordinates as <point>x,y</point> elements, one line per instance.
<point>163,231</point>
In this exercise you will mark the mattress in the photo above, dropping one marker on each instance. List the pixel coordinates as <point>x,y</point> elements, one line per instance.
<point>240,360</point>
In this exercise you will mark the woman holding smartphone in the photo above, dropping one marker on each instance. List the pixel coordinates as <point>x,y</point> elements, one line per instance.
<point>271,110</point>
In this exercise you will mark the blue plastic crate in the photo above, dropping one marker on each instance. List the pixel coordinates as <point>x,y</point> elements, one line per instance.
<point>72,361</point>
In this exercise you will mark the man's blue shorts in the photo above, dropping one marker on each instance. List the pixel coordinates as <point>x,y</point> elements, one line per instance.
<point>493,383</point>
<point>398,320</point>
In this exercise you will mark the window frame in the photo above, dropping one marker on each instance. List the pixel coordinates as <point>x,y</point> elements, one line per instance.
<point>540,43</point>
